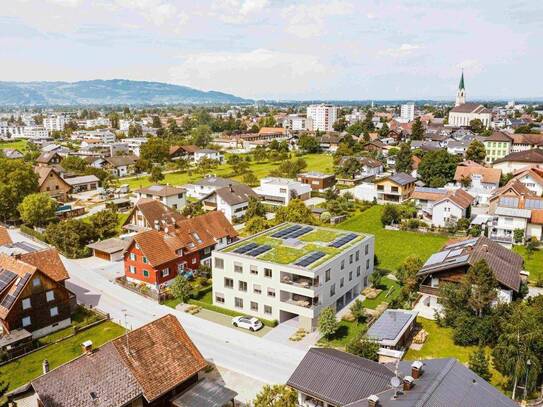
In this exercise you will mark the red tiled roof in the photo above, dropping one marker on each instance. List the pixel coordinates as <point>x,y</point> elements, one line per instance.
<point>490,175</point>
<point>4,236</point>
<point>529,156</point>
<point>48,262</point>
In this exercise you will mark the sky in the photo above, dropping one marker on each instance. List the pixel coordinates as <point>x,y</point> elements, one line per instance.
<point>279,49</point>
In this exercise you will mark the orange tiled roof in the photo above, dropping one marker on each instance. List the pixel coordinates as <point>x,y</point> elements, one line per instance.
<point>4,236</point>
<point>48,262</point>
<point>490,175</point>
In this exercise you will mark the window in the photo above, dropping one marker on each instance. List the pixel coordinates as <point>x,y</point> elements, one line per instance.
<point>53,311</point>
<point>254,270</point>
<point>332,290</point>
<point>179,196</point>
<point>267,273</point>
<point>341,282</point>
<point>36,282</point>
<point>238,302</point>
<point>145,273</point>
<point>242,285</point>
<point>367,264</point>
<point>132,269</point>
<point>133,256</point>
<point>238,268</point>
<point>394,189</point>
<point>257,289</point>
<point>26,303</point>
<point>271,292</point>
<point>254,306</point>
<point>144,259</point>
<point>283,190</point>
<point>350,275</point>
<point>365,281</point>
<point>327,275</point>
<point>357,255</point>
<point>228,282</point>
<point>366,249</point>
<point>342,264</point>
<point>50,295</point>
<point>165,272</point>
<point>194,260</point>
<point>219,297</point>
<point>358,271</point>
<point>219,263</point>
<point>351,258</point>
<point>267,309</point>
<point>26,321</point>
<point>380,188</point>
<point>207,250</point>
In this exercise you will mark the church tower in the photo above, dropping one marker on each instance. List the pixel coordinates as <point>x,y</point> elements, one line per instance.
<point>461,93</point>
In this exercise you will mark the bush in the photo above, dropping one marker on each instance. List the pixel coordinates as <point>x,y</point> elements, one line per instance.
<point>328,323</point>
<point>32,232</point>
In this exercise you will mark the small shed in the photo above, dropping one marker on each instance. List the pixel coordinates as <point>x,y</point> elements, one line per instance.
<point>393,328</point>
<point>206,393</point>
<point>109,249</point>
<point>16,343</point>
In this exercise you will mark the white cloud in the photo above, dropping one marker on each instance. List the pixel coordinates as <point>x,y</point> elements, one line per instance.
<point>472,65</point>
<point>309,19</point>
<point>158,12</point>
<point>260,73</point>
<point>66,3</point>
<point>238,11</point>
<point>401,51</point>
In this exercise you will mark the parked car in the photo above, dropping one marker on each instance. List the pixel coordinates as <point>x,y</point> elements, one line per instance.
<point>250,323</point>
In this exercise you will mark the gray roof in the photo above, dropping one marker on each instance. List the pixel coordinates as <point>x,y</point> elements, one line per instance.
<point>84,179</point>
<point>111,245</point>
<point>402,178</point>
<point>236,193</point>
<point>213,181</point>
<point>339,378</point>
<point>205,393</point>
<point>161,190</point>
<point>391,325</point>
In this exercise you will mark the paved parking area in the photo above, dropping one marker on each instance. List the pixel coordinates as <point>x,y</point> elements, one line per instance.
<point>282,332</point>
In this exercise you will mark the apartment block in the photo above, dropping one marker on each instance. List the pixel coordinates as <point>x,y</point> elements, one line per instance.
<point>292,271</point>
<point>323,116</point>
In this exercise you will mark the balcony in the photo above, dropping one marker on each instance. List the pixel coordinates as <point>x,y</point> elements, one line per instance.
<point>299,300</point>
<point>299,281</point>
<point>501,238</point>
<point>426,289</point>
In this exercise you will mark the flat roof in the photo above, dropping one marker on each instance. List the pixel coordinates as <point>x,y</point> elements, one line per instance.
<point>295,245</point>
<point>391,325</point>
<point>205,393</point>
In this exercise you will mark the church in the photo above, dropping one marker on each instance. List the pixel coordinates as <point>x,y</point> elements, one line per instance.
<point>463,113</point>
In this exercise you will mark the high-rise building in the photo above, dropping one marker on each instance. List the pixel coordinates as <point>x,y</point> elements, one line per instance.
<point>323,116</point>
<point>408,111</point>
<point>52,123</point>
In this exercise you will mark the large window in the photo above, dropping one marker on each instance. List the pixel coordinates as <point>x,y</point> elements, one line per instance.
<point>254,270</point>
<point>26,303</point>
<point>219,297</point>
<point>271,292</point>
<point>257,289</point>
<point>238,268</point>
<point>238,302</point>
<point>53,311</point>
<point>332,290</point>
<point>267,273</point>
<point>26,321</point>
<point>254,306</point>
<point>327,275</point>
<point>242,285</point>
<point>267,309</point>
<point>50,295</point>
<point>219,263</point>
<point>228,282</point>
<point>133,256</point>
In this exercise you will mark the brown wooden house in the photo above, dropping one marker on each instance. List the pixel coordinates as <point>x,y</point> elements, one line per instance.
<point>317,180</point>
<point>50,181</point>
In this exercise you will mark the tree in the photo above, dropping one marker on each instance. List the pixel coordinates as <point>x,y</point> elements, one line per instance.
<point>358,310</point>
<point>156,174</point>
<point>518,235</point>
<point>340,124</point>
<point>3,390</point>
<point>437,168</point>
<point>104,224</point>
<point>70,237</point>
<point>260,154</point>
<point>17,180</point>
<point>479,363</point>
<point>256,224</point>
<point>250,179</point>
<point>476,152</point>
<point>350,167</point>
<point>296,211</point>
<point>180,288</point>
<point>383,132</point>
<point>531,246</point>
<point>477,126</point>
<point>376,277</point>
<point>201,135</point>
<point>403,159</point>
<point>390,215</point>
<point>481,286</point>
<point>157,124</point>
<point>37,209</point>
<point>407,273</point>
<point>328,324</point>
<point>254,208</point>
<point>74,163</point>
<point>309,144</point>
<point>417,130</point>
<point>154,150</point>
<point>364,347</point>
<point>193,209</point>
<point>277,395</point>
<point>135,130</point>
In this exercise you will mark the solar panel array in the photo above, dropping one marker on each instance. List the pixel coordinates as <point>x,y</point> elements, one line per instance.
<point>259,250</point>
<point>286,231</point>
<point>6,277</point>
<point>310,258</point>
<point>7,302</point>
<point>343,240</point>
<point>21,284</point>
<point>246,248</point>
<point>298,233</point>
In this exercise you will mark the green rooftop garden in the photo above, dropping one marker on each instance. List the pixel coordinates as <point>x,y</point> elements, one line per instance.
<point>283,253</point>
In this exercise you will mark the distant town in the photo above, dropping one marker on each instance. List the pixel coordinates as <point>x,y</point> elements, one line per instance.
<point>272,254</point>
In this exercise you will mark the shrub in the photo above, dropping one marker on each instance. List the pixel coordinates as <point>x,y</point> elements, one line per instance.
<point>328,324</point>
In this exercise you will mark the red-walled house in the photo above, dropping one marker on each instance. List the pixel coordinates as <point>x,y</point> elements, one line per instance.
<point>155,257</point>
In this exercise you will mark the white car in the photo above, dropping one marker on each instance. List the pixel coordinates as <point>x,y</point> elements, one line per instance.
<point>250,323</point>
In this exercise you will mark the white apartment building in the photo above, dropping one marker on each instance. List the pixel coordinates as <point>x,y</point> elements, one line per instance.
<point>10,132</point>
<point>323,116</point>
<point>36,132</point>
<point>356,116</point>
<point>407,111</point>
<point>134,144</point>
<point>254,279</point>
<point>280,191</point>
<point>100,121</point>
<point>54,123</point>
<point>125,124</point>
<point>295,122</point>
<point>170,196</point>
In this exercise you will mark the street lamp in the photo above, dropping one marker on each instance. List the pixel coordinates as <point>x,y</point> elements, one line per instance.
<point>528,364</point>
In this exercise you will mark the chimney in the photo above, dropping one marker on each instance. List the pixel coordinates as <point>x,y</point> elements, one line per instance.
<point>408,382</point>
<point>485,248</point>
<point>373,401</point>
<point>230,186</point>
<point>416,369</point>
<point>87,347</point>
<point>157,224</point>
<point>45,366</point>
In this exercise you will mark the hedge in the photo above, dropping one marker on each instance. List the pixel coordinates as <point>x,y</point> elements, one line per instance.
<point>32,232</point>
<point>225,311</point>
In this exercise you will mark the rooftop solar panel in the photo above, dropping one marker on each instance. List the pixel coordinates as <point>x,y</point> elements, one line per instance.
<point>343,240</point>
<point>8,300</point>
<point>259,250</point>
<point>310,258</point>
<point>299,232</point>
<point>246,248</point>
<point>20,285</point>
<point>6,277</point>
<point>286,231</point>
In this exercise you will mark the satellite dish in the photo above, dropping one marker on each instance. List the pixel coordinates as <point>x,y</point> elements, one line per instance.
<point>395,381</point>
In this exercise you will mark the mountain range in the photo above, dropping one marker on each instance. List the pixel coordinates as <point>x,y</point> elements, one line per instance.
<point>107,92</point>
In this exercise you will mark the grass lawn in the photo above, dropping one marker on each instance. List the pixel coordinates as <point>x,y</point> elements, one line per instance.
<point>345,333</point>
<point>391,246</point>
<point>18,144</point>
<point>533,264</point>
<point>390,287</point>
<point>282,255</point>
<point>440,344</point>
<point>315,162</point>
<point>23,370</point>
<point>81,317</point>
<point>319,236</point>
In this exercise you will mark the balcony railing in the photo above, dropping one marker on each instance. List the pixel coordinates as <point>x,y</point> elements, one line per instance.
<point>426,289</point>
<point>300,282</point>
<point>501,238</point>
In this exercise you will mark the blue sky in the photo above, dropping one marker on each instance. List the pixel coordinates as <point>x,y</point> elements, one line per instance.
<point>278,49</point>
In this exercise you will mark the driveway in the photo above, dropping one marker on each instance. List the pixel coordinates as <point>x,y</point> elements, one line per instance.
<point>282,332</point>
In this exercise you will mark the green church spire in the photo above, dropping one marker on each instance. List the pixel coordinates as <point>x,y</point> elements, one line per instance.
<point>461,85</point>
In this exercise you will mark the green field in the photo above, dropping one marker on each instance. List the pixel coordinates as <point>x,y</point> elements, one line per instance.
<point>533,263</point>
<point>391,246</point>
<point>390,287</point>
<point>23,370</point>
<point>18,145</point>
<point>315,162</point>
<point>346,332</point>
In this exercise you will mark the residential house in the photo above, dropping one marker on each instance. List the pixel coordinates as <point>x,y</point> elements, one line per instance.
<point>232,200</point>
<point>280,191</point>
<point>50,181</point>
<point>109,249</point>
<point>497,146</point>
<point>83,183</point>
<point>477,180</point>
<point>151,214</point>
<point>327,377</point>
<point>48,159</point>
<point>516,161</point>
<point>156,257</point>
<point>317,180</point>
<point>524,142</point>
<point>206,153</point>
<point>376,146</point>
<point>207,185</point>
<point>250,276</point>
<point>329,142</point>
<point>170,196</point>
<point>452,262</point>
<point>532,178</point>
<point>12,153</point>
<point>441,206</point>
<point>120,166</point>
<point>33,296</point>
<point>395,188</point>
<point>370,167</point>
<point>156,364</point>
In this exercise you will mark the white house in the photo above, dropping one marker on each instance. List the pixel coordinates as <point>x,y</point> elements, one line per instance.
<point>173,197</point>
<point>280,191</point>
<point>477,180</point>
<point>54,123</point>
<point>232,200</point>
<point>209,154</point>
<point>517,161</point>
<point>296,122</point>
<point>442,206</point>
<point>207,185</point>
<point>532,178</point>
